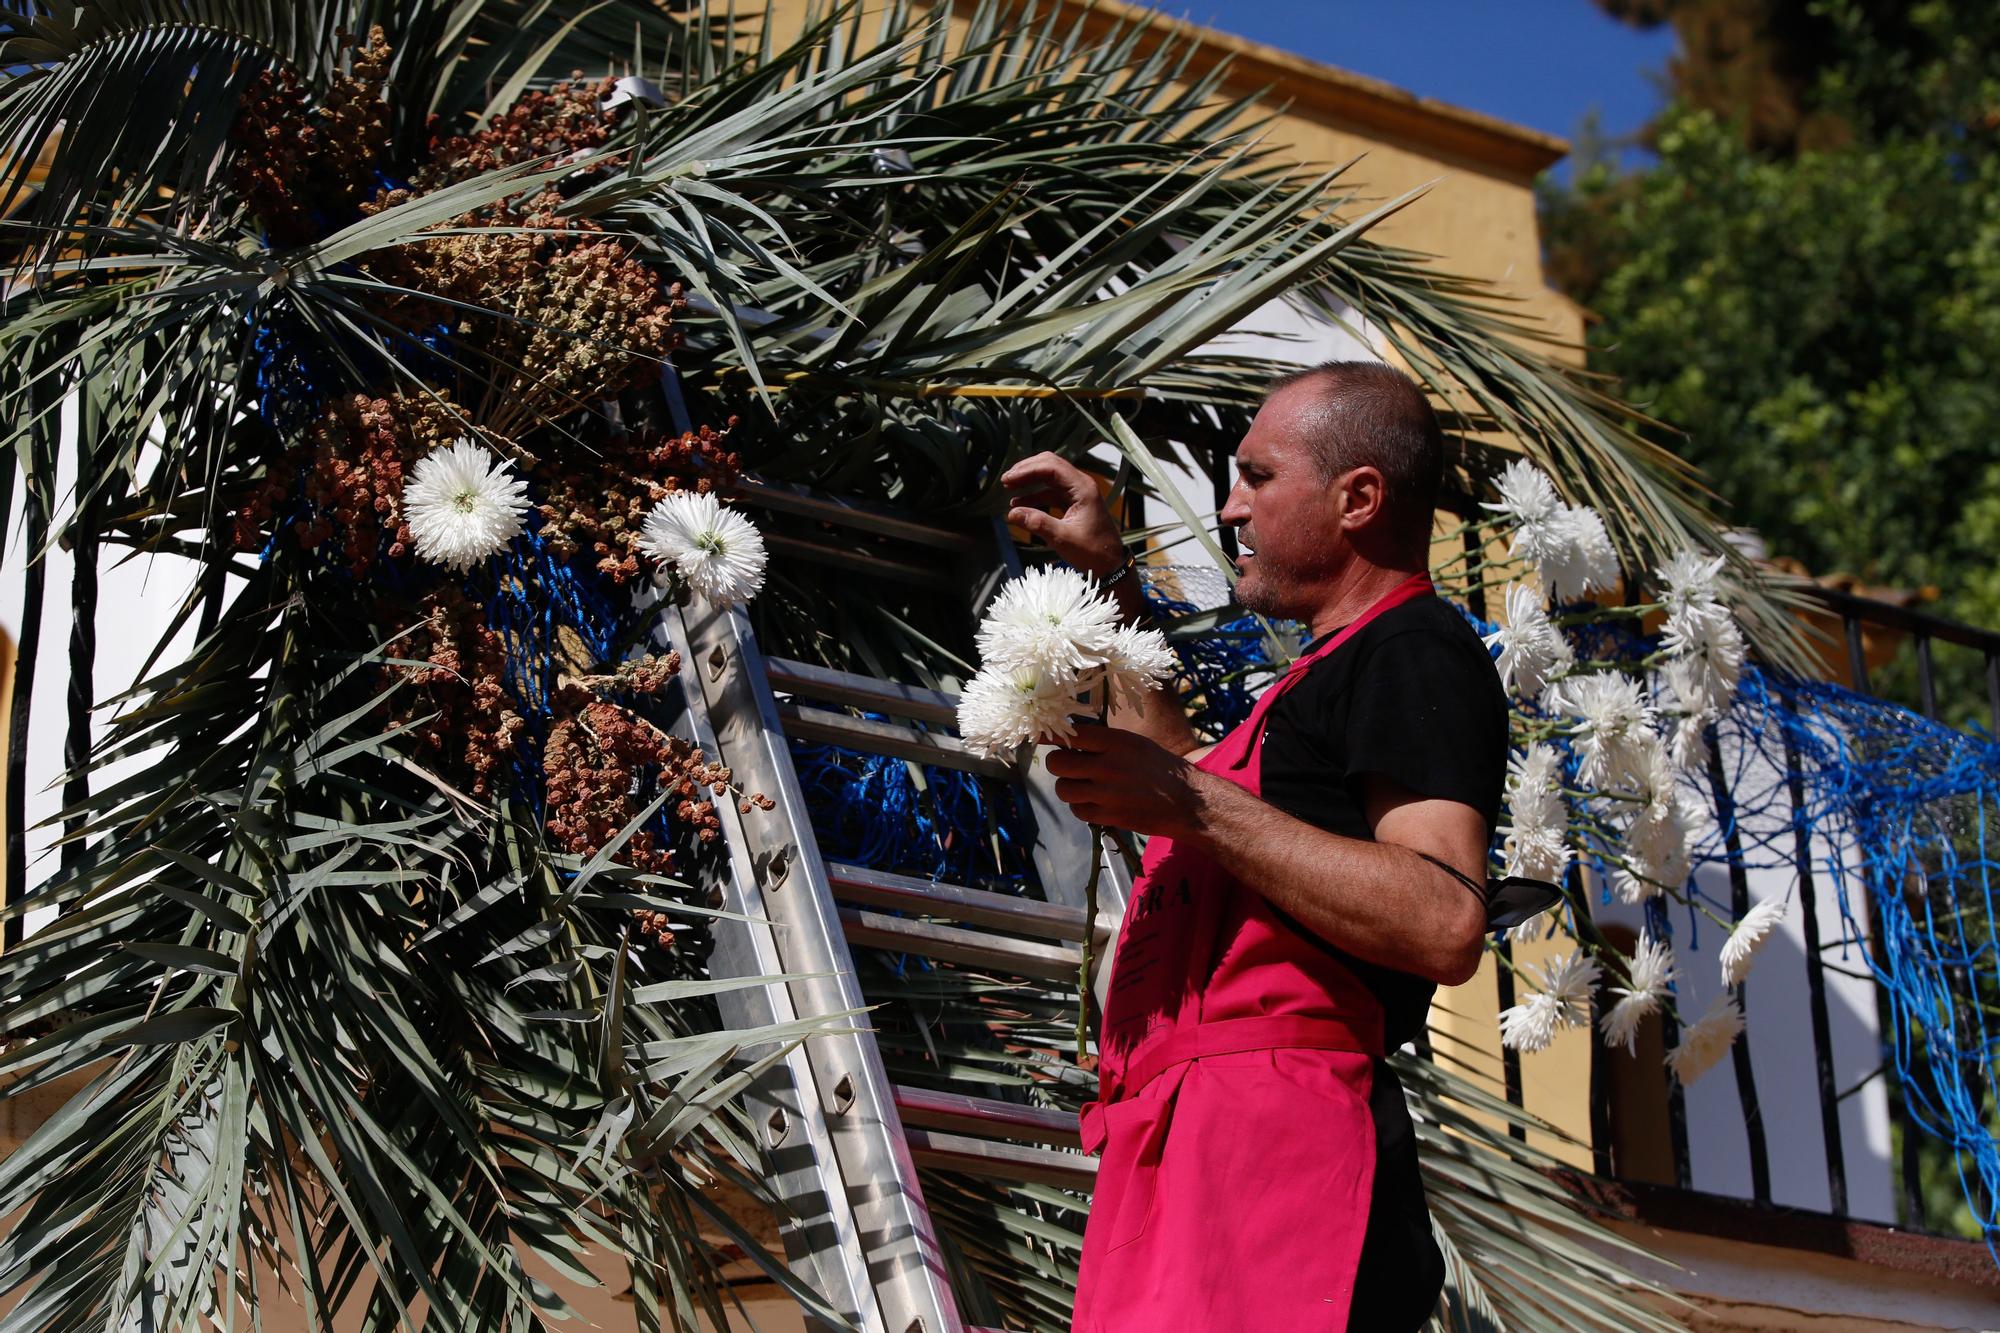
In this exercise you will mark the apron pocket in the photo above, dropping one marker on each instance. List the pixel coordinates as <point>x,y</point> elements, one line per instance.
<point>1128,1175</point>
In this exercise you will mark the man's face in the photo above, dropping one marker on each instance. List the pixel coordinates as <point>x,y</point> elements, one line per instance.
<point>1287,517</point>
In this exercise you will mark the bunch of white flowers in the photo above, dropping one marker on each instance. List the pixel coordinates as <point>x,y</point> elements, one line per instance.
<point>1051,649</point>
<point>1567,545</point>
<point>714,548</point>
<point>1635,735</point>
<point>1562,1002</point>
<point>1705,651</point>
<point>1534,836</point>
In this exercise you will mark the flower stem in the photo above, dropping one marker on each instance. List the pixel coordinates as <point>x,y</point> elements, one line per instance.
<point>1097,835</point>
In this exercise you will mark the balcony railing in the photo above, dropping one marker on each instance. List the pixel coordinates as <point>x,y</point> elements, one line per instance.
<point>1896,1015</point>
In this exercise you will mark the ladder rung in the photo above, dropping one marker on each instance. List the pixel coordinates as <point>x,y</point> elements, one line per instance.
<point>976,907</point>
<point>983,1116</point>
<point>896,739</point>
<point>1002,1161</point>
<point>856,514</point>
<point>860,562</point>
<point>1028,958</point>
<point>877,696</point>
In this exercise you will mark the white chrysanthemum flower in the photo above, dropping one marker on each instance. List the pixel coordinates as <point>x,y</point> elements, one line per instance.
<point>1707,1041</point>
<point>1689,744</point>
<point>1657,856</point>
<point>1050,619</point>
<point>1614,727</point>
<point>1649,971</point>
<point>1653,777</point>
<point>1526,494</point>
<point>1537,820</point>
<point>1703,671</point>
<point>1580,558</point>
<point>1532,649</point>
<point>462,505</point>
<point>1741,947</point>
<point>1659,833</point>
<point>1531,1025</point>
<point>1002,709</point>
<point>1563,1001</point>
<point>718,551</point>
<point>1690,592</point>
<point>1567,544</point>
<point>1140,661</point>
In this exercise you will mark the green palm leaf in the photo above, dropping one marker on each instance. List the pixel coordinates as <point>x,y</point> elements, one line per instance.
<point>339,1022</point>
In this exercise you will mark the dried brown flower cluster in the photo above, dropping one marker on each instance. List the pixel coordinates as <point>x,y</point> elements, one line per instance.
<point>474,725</point>
<point>655,926</point>
<point>595,752</point>
<point>355,458</point>
<point>566,119</point>
<point>584,320</point>
<point>579,319</point>
<point>304,161</point>
<point>594,501</point>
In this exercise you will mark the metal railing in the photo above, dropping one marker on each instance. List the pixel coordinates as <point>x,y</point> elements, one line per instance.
<point>1856,616</point>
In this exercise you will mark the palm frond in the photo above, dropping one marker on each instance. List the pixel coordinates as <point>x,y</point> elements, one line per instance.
<point>341,1017</point>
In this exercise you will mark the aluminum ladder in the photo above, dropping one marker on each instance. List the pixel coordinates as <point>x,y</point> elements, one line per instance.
<point>844,1143</point>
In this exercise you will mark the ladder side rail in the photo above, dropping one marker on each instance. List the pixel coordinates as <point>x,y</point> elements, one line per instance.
<point>820,1234</point>
<point>852,1098</point>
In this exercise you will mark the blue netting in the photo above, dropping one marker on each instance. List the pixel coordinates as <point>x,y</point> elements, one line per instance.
<point>932,823</point>
<point>532,594</point>
<point>1897,810</point>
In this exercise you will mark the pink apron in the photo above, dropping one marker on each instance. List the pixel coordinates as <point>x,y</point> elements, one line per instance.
<point>1238,1150</point>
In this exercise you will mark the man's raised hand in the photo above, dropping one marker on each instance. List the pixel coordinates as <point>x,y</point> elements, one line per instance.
<point>1081,530</point>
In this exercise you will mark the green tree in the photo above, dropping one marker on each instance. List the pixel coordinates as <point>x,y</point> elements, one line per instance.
<point>1807,282</point>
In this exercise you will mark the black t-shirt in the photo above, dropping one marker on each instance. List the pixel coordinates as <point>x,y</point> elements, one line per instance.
<point>1413,697</point>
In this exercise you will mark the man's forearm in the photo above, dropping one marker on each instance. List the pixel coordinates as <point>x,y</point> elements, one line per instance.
<point>1381,902</point>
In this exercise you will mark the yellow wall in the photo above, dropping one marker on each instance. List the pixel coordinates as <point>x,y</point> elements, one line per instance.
<point>1478,218</point>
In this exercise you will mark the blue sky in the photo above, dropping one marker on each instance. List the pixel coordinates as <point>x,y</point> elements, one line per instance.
<point>1542,63</point>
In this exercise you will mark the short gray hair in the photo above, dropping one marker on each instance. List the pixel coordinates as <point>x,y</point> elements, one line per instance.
<point>1365,413</point>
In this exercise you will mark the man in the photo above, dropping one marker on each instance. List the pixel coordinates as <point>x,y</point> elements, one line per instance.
<point>1308,882</point>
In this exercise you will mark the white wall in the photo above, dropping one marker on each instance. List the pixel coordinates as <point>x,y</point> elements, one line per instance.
<point>137,600</point>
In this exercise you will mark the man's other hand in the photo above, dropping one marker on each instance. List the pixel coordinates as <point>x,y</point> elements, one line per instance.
<point>1122,779</point>
<point>1081,529</point>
